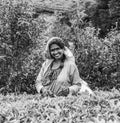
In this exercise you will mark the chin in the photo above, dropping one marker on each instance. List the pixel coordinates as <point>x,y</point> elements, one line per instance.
<point>58,58</point>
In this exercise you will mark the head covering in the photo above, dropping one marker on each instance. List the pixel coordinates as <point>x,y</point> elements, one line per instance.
<point>58,41</point>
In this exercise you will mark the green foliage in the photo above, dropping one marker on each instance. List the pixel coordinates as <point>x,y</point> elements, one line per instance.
<point>19,38</point>
<point>97,59</point>
<point>23,37</point>
<point>104,14</point>
<point>101,108</point>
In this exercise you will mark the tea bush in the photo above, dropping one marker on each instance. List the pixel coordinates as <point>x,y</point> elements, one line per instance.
<point>104,107</point>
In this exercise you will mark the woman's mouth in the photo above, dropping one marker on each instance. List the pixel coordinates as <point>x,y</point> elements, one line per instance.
<point>57,55</point>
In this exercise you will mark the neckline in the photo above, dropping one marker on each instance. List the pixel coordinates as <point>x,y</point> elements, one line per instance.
<point>60,66</point>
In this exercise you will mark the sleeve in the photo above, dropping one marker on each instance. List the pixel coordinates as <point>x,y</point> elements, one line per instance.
<point>74,75</point>
<point>76,81</point>
<point>38,83</point>
<point>78,84</point>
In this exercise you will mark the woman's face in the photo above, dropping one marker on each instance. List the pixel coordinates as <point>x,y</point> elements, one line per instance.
<point>56,51</point>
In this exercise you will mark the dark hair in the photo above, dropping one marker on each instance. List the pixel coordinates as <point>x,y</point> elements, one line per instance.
<point>57,41</point>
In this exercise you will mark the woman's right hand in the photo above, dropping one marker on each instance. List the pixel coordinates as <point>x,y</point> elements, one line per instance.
<point>45,92</point>
<point>64,91</point>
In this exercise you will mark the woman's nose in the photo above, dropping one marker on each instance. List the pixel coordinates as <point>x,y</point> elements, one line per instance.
<point>55,51</point>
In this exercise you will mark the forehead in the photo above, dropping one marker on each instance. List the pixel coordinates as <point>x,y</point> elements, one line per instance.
<point>54,46</point>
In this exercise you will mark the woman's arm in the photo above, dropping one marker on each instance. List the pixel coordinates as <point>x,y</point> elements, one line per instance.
<point>75,79</point>
<point>77,83</point>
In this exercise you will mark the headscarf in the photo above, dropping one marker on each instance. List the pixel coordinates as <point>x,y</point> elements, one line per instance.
<point>56,40</point>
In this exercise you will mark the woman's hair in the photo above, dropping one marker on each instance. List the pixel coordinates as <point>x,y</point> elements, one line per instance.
<point>57,41</point>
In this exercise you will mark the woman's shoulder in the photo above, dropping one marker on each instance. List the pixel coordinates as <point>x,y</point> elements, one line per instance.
<point>46,62</point>
<point>70,63</point>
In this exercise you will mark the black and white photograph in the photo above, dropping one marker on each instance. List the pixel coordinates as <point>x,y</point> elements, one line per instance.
<point>59,61</point>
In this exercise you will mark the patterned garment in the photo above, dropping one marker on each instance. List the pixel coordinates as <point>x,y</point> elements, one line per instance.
<point>50,77</point>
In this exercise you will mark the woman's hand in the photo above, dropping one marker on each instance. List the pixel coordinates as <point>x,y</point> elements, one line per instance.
<point>45,92</point>
<point>64,92</point>
<point>86,88</point>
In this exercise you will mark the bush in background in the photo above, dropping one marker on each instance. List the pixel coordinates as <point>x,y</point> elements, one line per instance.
<point>21,41</point>
<point>98,59</point>
<point>23,37</point>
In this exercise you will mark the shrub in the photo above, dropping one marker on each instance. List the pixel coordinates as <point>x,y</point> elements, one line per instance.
<point>97,59</point>
<point>20,40</point>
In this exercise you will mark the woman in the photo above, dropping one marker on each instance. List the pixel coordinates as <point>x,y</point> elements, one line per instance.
<point>59,75</point>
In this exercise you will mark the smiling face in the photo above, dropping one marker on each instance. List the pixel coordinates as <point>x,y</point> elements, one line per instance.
<point>56,51</point>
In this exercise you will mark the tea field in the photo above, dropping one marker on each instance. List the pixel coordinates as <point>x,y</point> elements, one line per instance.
<point>103,107</point>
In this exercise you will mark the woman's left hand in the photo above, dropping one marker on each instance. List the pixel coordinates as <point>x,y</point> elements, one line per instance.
<point>86,88</point>
<point>64,92</point>
<point>45,92</point>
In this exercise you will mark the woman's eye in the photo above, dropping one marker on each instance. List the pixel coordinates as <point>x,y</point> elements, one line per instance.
<point>55,49</point>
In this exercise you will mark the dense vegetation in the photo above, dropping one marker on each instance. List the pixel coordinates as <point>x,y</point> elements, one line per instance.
<point>25,28</point>
<point>102,108</point>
